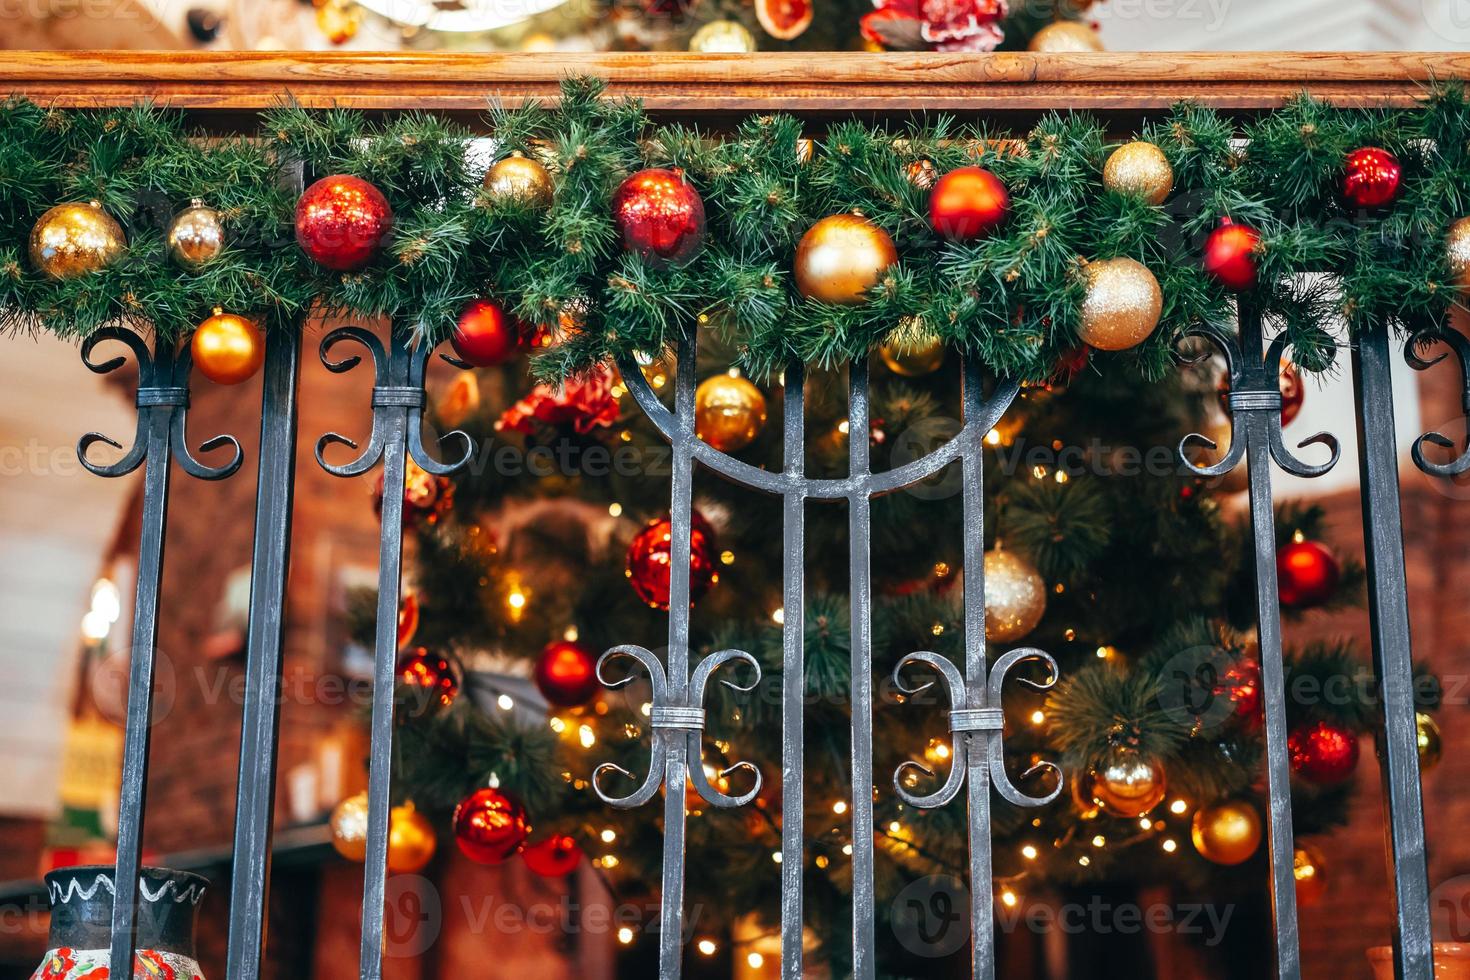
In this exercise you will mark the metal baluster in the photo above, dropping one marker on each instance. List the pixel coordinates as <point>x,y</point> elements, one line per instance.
<point>793,674</point>
<point>860,562</point>
<point>162,400</point>
<point>1388,611</point>
<point>255,804</point>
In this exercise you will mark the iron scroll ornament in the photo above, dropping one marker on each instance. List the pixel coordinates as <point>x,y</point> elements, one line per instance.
<point>1458,345</point>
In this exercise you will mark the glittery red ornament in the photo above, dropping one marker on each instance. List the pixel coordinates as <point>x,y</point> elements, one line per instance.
<point>660,216</point>
<point>1323,752</point>
<point>967,203</point>
<point>485,335</point>
<point>1307,574</point>
<point>1371,177</point>
<point>553,857</point>
<point>1230,255</point>
<point>566,673</point>
<point>650,558</point>
<point>490,826</point>
<point>1242,685</point>
<point>428,677</point>
<point>341,221</point>
<point>1293,391</point>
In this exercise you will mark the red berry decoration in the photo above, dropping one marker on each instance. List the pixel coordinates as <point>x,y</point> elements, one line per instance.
<point>485,335</point>
<point>968,202</point>
<point>1323,752</point>
<point>1307,574</point>
<point>1371,177</point>
<point>566,673</point>
<point>490,826</point>
<point>650,558</point>
<point>659,216</point>
<point>429,676</point>
<point>1230,255</point>
<point>341,221</point>
<point>553,857</point>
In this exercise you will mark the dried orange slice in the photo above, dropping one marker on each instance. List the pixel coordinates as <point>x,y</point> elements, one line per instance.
<point>784,19</point>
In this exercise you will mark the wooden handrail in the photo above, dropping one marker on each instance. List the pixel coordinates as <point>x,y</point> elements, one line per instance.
<point>714,86</point>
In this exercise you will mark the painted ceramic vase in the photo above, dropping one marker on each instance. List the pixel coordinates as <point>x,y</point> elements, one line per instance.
<point>81,924</point>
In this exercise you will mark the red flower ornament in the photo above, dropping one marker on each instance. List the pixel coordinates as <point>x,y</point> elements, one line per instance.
<point>587,403</point>
<point>936,25</point>
<point>150,965</point>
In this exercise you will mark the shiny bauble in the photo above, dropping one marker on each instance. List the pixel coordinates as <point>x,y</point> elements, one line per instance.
<point>921,173</point>
<point>553,857</point>
<point>566,673</point>
<point>722,37</point>
<point>74,239</point>
<point>348,825</point>
<point>408,618</point>
<point>1241,685</point>
<point>1230,255</point>
<point>1081,789</point>
<point>519,179</point>
<point>1431,743</point>
<point>227,349</point>
<point>650,561</point>
<point>1307,574</point>
<point>490,826</point>
<point>967,203</point>
<point>784,20</point>
<point>1065,36</point>
<point>912,359</point>
<point>1228,832</point>
<point>1323,751</point>
<point>1015,596</point>
<point>338,20</point>
<point>428,678</point>
<point>1121,305</point>
<point>659,216</point>
<point>1139,169</point>
<point>1457,253</point>
<point>1128,784</point>
<point>841,257</point>
<point>1371,178</point>
<point>342,222</point>
<point>485,334</point>
<point>411,840</point>
<point>1309,868</point>
<point>196,236</point>
<point>728,412</point>
<point>1293,391</point>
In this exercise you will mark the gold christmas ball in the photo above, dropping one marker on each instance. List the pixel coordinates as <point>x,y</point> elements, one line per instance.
<point>74,239</point>
<point>1082,799</point>
<point>197,235</point>
<point>1015,596</point>
<point>519,178</point>
<point>227,349</point>
<point>1309,868</point>
<point>1122,304</point>
<point>1065,36</point>
<point>1431,745</point>
<point>1128,785</point>
<point>1141,169</point>
<point>349,827</point>
<point>1227,832</point>
<point>722,37</point>
<point>728,412</point>
<point>1457,253</point>
<point>411,840</point>
<point>913,358</point>
<point>841,257</point>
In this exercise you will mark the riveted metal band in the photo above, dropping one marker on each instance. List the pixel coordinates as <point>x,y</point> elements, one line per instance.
<point>397,396</point>
<point>156,397</point>
<point>686,719</point>
<point>1247,401</point>
<point>976,720</point>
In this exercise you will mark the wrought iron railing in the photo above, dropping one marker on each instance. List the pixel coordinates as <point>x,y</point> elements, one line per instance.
<point>708,89</point>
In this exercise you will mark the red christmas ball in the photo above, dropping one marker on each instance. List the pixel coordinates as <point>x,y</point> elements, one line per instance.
<point>490,826</point>
<point>659,216</point>
<point>968,202</point>
<point>341,221</point>
<point>1307,574</point>
<point>1323,752</point>
<point>566,673</point>
<point>485,335</point>
<point>553,857</point>
<point>1242,685</point>
<point>428,677</point>
<point>1230,255</point>
<point>1289,381</point>
<point>650,558</point>
<point>1371,177</point>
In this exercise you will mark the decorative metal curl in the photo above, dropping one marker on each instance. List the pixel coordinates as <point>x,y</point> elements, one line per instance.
<point>1254,388</point>
<point>975,715</point>
<point>162,400</point>
<point>1458,345</point>
<point>678,727</point>
<point>398,382</point>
